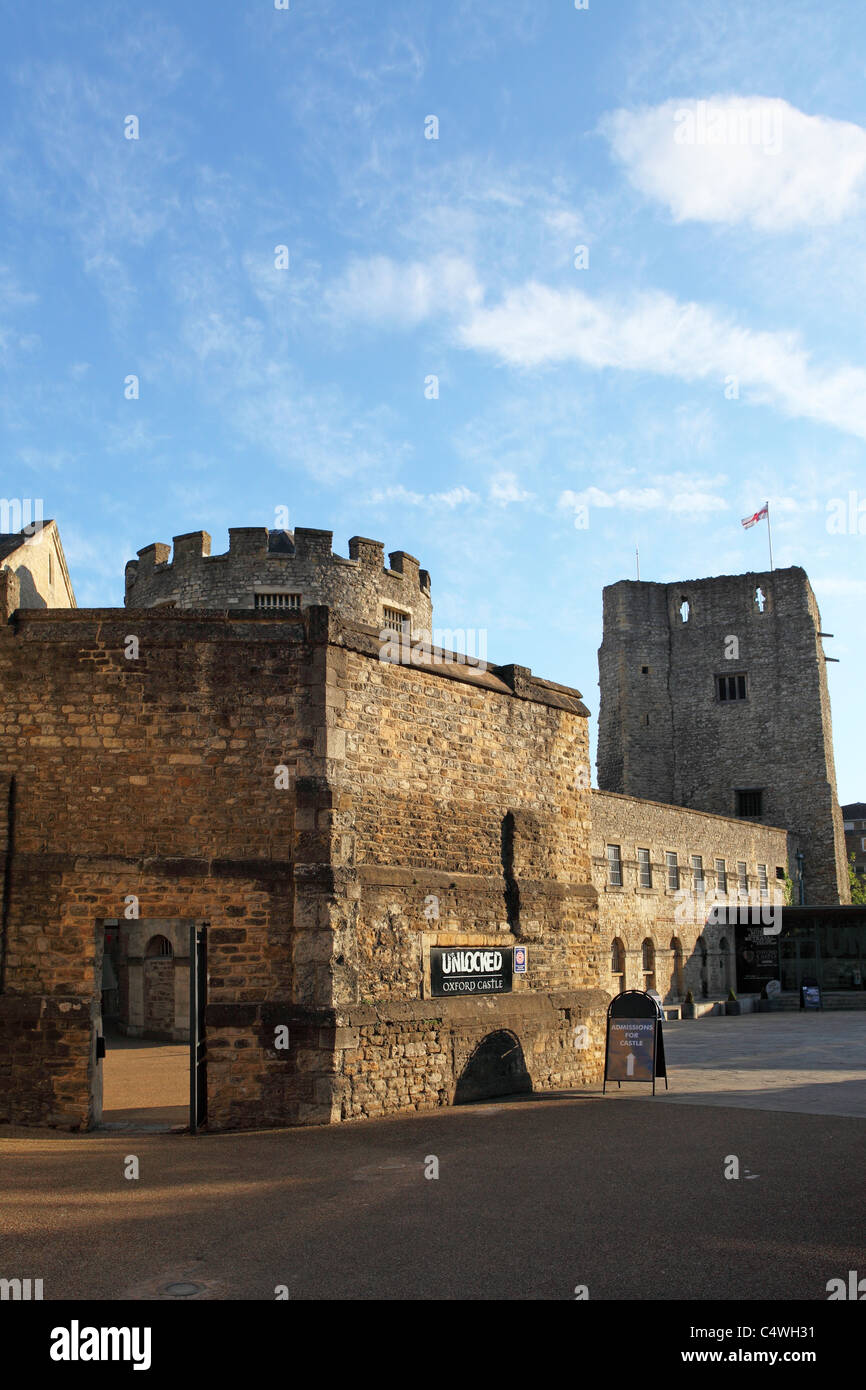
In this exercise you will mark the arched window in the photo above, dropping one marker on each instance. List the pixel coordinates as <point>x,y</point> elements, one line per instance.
<point>159,946</point>
<point>702,953</point>
<point>617,964</point>
<point>677,967</point>
<point>649,964</point>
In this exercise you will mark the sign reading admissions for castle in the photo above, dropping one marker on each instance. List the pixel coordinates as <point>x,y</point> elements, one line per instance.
<point>470,970</point>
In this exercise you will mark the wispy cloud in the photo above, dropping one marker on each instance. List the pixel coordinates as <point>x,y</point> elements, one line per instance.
<point>534,325</point>
<point>675,493</point>
<point>381,290</point>
<point>451,498</point>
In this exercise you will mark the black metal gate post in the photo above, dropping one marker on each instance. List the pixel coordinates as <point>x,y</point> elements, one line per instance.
<point>197,1040</point>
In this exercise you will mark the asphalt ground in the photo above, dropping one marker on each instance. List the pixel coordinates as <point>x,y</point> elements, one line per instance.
<point>625,1194</point>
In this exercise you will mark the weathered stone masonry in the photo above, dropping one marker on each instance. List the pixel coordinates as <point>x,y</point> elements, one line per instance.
<point>633,915</point>
<point>665,734</point>
<point>155,776</point>
<point>299,563</point>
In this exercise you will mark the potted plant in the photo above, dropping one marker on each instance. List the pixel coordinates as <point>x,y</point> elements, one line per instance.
<point>733,1005</point>
<point>689,1006</point>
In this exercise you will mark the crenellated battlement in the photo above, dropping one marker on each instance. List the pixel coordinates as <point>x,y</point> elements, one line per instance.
<point>281,570</point>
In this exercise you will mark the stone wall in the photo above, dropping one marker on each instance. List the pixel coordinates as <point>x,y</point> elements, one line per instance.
<point>271,776</point>
<point>298,562</point>
<point>154,778</point>
<point>665,735</point>
<point>633,914</point>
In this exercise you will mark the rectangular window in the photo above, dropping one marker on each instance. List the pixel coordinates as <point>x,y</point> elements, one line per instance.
<point>731,687</point>
<point>273,602</point>
<point>863,844</point>
<point>50,568</point>
<point>742,877</point>
<point>673,870</point>
<point>721,876</point>
<point>849,825</point>
<point>614,866</point>
<point>750,802</point>
<point>645,872</point>
<point>763,885</point>
<point>395,621</point>
<point>698,874</point>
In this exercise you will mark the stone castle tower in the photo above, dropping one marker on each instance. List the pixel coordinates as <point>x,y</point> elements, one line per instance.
<point>714,696</point>
<point>283,571</point>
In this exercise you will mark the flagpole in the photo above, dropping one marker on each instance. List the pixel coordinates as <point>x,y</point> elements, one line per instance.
<point>769,535</point>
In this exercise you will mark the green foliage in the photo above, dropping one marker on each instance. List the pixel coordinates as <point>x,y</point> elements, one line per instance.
<point>788,889</point>
<point>857,882</point>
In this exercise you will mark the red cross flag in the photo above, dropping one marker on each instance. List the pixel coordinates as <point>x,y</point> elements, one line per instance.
<point>759,516</point>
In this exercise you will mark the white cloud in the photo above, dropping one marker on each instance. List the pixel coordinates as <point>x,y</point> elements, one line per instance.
<point>742,159</point>
<point>653,332</point>
<point>504,488</point>
<point>382,290</point>
<point>675,493</point>
<point>454,497</point>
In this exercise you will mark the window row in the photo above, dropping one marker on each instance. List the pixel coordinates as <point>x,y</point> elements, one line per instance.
<point>672,872</point>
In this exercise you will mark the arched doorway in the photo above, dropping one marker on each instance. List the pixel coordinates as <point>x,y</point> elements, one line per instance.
<point>726,964</point>
<point>677,986</point>
<point>648,953</point>
<point>497,1067</point>
<point>617,964</point>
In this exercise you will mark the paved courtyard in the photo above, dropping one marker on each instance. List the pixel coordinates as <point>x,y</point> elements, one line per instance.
<point>812,1063</point>
<point>145,1085</point>
<point>625,1194</point>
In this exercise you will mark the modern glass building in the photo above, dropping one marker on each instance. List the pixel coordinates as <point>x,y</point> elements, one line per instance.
<point>823,944</point>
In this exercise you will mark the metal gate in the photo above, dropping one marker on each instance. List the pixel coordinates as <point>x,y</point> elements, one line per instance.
<point>197,1039</point>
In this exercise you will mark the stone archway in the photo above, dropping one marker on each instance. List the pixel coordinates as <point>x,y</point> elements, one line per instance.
<point>497,1067</point>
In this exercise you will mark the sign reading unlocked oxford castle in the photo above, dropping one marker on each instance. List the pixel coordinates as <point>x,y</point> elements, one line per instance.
<point>237,747</point>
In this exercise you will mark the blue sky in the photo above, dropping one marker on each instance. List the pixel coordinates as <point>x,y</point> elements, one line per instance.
<point>703,353</point>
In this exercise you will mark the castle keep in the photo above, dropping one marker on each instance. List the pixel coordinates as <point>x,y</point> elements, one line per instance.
<point>239,748</point>
<point>714,696</point>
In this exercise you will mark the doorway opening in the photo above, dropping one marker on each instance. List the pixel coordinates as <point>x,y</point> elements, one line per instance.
<point>147,1070</point>
<point>497,1067</point>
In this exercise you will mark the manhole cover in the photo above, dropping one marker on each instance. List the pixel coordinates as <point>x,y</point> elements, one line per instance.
<point>182,1290</point>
